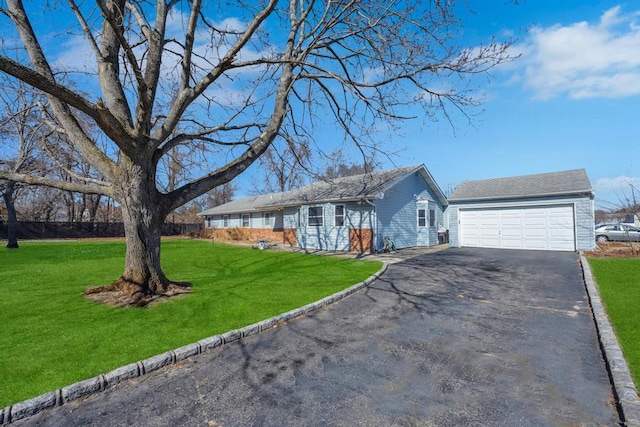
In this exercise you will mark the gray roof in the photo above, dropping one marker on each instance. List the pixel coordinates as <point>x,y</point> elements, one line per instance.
<point>357,187</point>
<point>570,182</point>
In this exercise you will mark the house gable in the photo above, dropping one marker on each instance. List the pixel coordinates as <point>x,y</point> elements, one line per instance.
<point>397,211</point>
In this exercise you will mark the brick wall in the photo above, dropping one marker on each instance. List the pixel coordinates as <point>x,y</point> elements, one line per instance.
<point>361,240</point>
<point>289,237</point>
<point>252,235</point>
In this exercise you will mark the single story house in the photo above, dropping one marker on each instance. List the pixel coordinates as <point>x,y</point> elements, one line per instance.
<point>550,211</point>
<point>352,213</point>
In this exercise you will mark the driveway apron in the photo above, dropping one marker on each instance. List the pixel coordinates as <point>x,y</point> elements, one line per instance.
<point>461,337</point>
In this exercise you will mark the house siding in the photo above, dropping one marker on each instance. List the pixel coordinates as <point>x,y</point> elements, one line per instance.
<point>396,213</point>
<point>290,225</point>
<point>583,216</point>
<point>255,220</point>
<point>360,226</point>
<point>329,236</point>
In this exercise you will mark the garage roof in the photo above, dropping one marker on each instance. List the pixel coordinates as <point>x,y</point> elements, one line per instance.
<point>570,182</point>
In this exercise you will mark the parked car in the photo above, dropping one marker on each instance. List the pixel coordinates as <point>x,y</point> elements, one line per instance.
<point>617,233</point>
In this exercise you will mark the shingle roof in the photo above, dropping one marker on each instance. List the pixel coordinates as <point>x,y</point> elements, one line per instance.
<point>568,182</point>
<point>357,187</point>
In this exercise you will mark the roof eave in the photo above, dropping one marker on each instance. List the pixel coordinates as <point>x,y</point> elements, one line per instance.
<point>589,192</point>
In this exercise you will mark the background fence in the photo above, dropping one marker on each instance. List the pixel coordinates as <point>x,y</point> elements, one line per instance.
<point>26,230</point>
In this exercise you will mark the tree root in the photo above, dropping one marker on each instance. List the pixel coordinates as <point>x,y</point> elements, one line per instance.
<point>124,293</point>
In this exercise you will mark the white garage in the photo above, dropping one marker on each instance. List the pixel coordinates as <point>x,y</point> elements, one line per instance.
<point>537,228</point>
<point>552,211</point>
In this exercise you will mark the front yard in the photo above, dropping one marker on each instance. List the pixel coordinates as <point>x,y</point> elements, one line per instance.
<point>53,336</point>
<point>618,280</point>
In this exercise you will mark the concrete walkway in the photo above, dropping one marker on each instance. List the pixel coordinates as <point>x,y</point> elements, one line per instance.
<point>457,337</point>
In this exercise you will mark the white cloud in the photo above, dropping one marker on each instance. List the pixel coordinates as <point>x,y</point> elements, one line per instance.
<point>584,60</point>
<point>617,189</point>
<point>75,55</point>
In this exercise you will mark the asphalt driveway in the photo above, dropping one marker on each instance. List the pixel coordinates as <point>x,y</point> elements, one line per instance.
<point>458,337</point>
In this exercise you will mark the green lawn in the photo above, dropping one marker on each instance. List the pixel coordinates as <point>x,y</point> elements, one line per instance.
<point>618,280</point>
<point>52,336</point>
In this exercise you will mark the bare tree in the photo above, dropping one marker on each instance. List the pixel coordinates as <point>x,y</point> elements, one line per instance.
<point>285,168</point>
<point>42,204</point>
<point>167,74</point>
<point>220,195</point>
<point>629,202</point>
<point>626,208</point>
<point>20,135</point>
<point>339,166</point>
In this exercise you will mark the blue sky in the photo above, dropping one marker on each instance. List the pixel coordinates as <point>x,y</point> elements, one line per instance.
<point>561,106</point>
<point>572,100</point>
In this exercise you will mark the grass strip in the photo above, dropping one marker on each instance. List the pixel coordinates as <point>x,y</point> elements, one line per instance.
<point>618,280</point>
<point>53,336</point>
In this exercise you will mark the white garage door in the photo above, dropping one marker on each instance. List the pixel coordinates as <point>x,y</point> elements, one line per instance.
<point>539,228</point>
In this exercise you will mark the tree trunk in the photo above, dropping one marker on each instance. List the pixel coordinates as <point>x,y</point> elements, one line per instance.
<point>93,207</point>
<point>143,216</point>
<point>12,219</point>
<point>142,229</point>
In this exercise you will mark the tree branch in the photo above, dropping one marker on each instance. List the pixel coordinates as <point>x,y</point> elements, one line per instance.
<point>187,96</point>
<point>102,188</point>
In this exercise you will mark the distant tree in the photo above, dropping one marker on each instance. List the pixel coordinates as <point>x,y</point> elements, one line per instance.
<point>7,190</point>
<point>343,170</point>
<point>626,208</point>
<point>629,202</point>
<point>166,75</point>
<point>40,204</point>
<point>220,195</point>
<point>340,167</point>
<point>285,168</point>
<point>20,135</point>
<point>108,211</point>
<point>601,216</point>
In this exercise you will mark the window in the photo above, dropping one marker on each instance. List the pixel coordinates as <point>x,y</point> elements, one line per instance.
<point>432,218</point>
<point>245,220</point>
<point>225,221</point>
<point>266,219</point>
<point>316,215</point>
<point>422,217</point>
<point>339,216</point>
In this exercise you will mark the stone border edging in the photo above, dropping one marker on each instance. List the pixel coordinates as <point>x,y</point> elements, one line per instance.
<point>625,389</point>
<point>102,382</point>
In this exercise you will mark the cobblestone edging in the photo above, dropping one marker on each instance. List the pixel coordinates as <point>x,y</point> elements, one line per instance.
<point>93,385</point>
<point>626,393</point>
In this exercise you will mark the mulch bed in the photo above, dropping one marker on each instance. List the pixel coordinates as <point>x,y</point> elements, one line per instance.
<point>615,249</point>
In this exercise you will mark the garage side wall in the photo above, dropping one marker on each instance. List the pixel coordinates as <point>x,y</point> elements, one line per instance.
<point>585,224</point>
<point>583,212</point>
